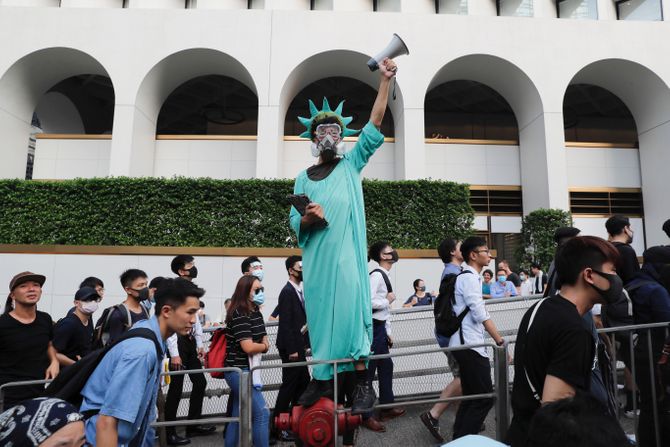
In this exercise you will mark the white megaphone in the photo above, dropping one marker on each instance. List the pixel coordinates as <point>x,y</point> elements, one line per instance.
<point>395,48</point>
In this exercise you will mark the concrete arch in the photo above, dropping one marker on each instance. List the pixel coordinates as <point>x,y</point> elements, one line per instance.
<point>521,93</point>
<point>344,63</point>
<point>647,96</point>
<point>133,154</point>
<point>21,88</point>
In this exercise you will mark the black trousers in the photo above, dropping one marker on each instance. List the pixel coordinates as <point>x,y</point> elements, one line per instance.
<point>475,379</point>
<point>189,358</point>
<point>646,431</point>
<point>294,383</point>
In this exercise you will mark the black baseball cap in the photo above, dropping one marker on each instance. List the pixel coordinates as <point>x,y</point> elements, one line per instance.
<point>86,294</point>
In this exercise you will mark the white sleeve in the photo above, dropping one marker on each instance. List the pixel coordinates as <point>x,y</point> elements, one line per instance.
<point>172,346</point>
<point>378,301</point>
<point>198,333</point>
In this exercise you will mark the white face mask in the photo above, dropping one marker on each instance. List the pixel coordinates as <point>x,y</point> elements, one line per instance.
<point>89,307</point>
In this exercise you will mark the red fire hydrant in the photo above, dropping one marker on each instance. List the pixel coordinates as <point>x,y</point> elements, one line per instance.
<point>314,425</point>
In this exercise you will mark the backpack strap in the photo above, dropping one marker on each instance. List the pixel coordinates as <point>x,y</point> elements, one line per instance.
<point>128,317</point>
<point>387,281</point>
<point>536,394</point>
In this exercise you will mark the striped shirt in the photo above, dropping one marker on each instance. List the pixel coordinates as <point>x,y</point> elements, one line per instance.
<point>243,327</point>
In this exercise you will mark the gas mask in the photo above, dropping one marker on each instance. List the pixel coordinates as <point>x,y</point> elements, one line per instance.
<point>328,137</point>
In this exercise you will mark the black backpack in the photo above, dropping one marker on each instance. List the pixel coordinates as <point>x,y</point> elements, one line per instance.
<point>620,312</point>
<point>72,379</point>
<point>101,330</point>
<point>446,320</point>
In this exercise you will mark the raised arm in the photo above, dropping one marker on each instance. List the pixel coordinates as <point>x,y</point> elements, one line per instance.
<point>387,70</point>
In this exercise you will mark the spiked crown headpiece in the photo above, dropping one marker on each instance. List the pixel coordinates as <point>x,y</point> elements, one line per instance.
<point>326,112</point>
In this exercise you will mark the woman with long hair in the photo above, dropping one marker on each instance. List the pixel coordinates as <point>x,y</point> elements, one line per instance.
<point>246,341</point>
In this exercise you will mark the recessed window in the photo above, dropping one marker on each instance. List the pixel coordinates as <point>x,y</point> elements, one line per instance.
<point>459,7</point>
<point>577,9</point>
<point>607,202</point>
<point>321,5</point>
<point>639,10</point>
<point>500,200</point>
<point>516,8</point>
<point>386,5</point>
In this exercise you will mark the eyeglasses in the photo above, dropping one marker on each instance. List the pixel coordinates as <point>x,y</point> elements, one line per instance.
<point>259,290</point>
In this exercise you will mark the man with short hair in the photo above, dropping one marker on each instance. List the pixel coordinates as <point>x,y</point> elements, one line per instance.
<point>382,297</point>
<point>292,339</point>
<point>621,236</point>
<point>555,350</point>
<point>186,351</point>
<point>475,370</point>
<point>449,251</point>
<point>253,266</point>
<point>539,279</point>
<point>96,283</point>
<point>73,334</point>
<point>134,283</point>
<point>26,339</point>
<point>511,276</point>
<point>650,293</point>
<point>122,390</point>
<point>502,287</point>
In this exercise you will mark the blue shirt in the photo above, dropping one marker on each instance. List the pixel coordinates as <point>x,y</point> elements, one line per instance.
<point>125,386</point>
<point>450,269</point>
<point>498,290</point>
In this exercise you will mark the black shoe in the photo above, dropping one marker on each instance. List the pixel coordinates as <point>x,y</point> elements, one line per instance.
<point>200,430</point>
<point>432,424</point>
<point>363,399</point>
<point>177,440</point>
<point>315,391</point>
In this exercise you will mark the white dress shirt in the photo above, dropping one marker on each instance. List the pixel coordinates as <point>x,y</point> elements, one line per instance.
<point>197,333</point>
<point>380,304</point>
<point>468,291</point>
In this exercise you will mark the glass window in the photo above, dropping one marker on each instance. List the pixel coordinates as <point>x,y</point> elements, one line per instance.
<point>639,10</point>
<point>388,5</point>
<point>452,7</point>
<point>578,9</point>
<point>322,5</point>
<point>518,8</point>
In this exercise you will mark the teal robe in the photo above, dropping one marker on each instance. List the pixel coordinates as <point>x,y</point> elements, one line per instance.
<point>334,259</point>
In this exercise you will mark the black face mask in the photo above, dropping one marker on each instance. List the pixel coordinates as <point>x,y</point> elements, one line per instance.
<point>298,275</point>
<point>142,294</point>
<point>612,294</point>
<point>394,256</point>
<point>193,272</point>
<point>422,289</point>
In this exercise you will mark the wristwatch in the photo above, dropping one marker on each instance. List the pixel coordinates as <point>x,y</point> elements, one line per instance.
<point>501,342</point>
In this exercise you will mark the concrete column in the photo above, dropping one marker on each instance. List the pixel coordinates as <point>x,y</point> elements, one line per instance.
<point>606,10</point>
<point>220,4</point>
<point>654,162</point>
<point>270,144</point>
<point>15,136</point>
<point>133,142</point>
<point>352,5</point>
<point>420,6</point>
<point>665,4</point>
<point>544,9</point>
<point>482,8</point>
<point>411,151</point>
<point>543,163</point>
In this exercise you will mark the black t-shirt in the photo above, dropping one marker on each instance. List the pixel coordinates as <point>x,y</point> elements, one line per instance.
<point>118,322</point>
<point>72,338</point>
<point>243,327</point>
<point>557,344</point>
<point>628,264</point>
<point>514,279</point>
<point>23,354</point>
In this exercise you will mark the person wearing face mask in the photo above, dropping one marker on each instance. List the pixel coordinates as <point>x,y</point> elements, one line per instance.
<point>502,288</point>
<point>621,236</point>
<point>337,289</point>
<point>526,287</point>
<point>253,266</point>
<point>382,298</point>
<point>292,340</point>
<point>116,320</point>
<point>555,351</point>
<point>186,351</point>
<point>420,297</point>
<point>73,334</point>
<point>650,291</point>
<point>246,340</point>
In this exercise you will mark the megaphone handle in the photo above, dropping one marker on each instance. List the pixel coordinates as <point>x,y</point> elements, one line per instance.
<point>394,84</point>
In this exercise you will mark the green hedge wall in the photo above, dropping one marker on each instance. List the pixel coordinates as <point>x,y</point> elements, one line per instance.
<point>213,213</point>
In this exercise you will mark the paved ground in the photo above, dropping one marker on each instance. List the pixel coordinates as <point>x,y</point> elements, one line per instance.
<point>406,431</point>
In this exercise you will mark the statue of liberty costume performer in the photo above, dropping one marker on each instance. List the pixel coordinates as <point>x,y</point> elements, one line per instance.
<point>335,271</point>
